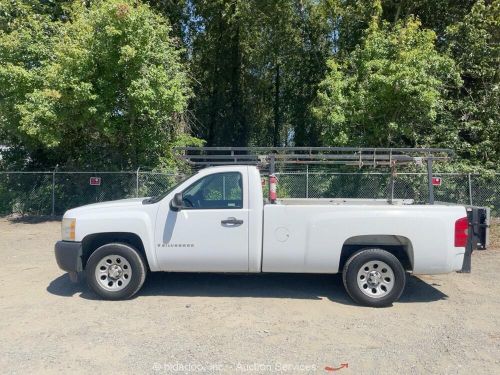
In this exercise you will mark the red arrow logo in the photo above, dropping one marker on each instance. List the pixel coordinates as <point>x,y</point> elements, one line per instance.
<point>342,365</point>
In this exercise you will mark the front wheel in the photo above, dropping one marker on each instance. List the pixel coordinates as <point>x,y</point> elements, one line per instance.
<point>374,277</point>
<point>115,271</point>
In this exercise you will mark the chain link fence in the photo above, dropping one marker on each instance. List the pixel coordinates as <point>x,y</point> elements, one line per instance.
<point>52,193</point>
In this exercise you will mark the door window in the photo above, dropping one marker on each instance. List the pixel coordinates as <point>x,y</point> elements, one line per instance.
<point>219,190</point>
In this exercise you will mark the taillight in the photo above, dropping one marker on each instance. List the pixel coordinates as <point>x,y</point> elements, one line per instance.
<point>461,232</point>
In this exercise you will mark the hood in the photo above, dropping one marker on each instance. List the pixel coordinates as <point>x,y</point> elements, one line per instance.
<point>121,203</point>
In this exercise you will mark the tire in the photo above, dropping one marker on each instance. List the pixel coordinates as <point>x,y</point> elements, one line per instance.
<point>115,271</point>
<point>374,277</point>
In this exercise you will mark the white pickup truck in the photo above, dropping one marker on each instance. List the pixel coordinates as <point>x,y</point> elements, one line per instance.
<point>218,221</point>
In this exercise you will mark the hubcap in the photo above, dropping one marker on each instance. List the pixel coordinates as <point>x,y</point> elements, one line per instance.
<point>113,273</point>
<point>375,279</point>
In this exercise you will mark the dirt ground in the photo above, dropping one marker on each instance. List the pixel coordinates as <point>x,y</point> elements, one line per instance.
<point>198,323</point>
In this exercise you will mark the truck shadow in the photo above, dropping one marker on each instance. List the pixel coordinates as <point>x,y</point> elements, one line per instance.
<point>295,286</point>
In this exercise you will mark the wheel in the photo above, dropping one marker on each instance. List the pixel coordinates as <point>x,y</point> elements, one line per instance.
<point>374,277</point>
<point>115,271</point>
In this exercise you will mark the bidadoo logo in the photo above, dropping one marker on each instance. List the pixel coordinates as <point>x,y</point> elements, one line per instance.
<point>342,365</point>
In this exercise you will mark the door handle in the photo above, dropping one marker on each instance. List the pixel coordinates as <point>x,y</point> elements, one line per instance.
<point>231,221</point>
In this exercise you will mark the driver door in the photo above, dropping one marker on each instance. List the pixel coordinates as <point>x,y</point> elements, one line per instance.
<point>210,232</point>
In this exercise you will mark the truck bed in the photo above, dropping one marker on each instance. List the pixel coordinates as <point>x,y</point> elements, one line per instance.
<point>307,235</point>
<point>342,201</point>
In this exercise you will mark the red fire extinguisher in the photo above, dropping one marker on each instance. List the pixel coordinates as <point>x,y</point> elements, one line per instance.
<point>272,188</point>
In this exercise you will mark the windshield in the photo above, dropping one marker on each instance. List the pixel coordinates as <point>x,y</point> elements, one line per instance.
<point>158,198</point>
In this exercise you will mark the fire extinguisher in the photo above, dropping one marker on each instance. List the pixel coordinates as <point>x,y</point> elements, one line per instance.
<point>272,188</point>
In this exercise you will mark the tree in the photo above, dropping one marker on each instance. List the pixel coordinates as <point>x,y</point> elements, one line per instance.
<point>26,42</point>
<point>104,83</point>
<point>475,44</point>
<point>390,91</point>
<point>349,19</point>
<point>256,66</point>
<point>217,65</point>
<point>104,90</point>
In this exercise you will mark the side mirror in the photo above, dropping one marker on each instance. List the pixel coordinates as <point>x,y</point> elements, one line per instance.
<point>176,203</point>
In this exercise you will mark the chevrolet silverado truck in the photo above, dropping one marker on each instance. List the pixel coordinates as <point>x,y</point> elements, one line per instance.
<point>218,221</point>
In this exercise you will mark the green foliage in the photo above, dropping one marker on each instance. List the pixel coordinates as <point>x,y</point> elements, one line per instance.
<point>475,44</point>
<point>390,91</point>
<point>26,41</point>
<point>105,89</point>
<point>256,65</point>
<point>104,83</point>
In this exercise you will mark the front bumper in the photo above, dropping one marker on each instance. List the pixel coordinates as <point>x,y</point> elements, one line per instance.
<point>69,256</point>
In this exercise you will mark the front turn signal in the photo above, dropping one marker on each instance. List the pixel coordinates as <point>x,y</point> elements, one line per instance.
<point>68,227</point>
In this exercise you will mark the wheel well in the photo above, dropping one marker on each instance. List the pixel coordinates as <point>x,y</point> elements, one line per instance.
<point>399,246</point>
<point>93,241</point>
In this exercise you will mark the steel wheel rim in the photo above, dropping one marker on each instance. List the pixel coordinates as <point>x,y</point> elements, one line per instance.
<point>113,273</point>
<point>376,279</point>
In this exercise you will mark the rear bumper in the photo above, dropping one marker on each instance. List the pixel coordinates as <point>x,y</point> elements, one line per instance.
<point>69,256</point>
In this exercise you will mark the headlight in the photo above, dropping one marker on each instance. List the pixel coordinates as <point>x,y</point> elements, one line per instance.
<point>68,229</point>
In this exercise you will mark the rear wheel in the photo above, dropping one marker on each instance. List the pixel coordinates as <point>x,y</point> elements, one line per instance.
<point>374,277</point>
<point>115,271</point>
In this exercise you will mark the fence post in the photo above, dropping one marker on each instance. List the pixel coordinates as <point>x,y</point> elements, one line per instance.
<point>137,183</point>
<point>470,189</point>
<point>307,180</point>
<point>429,181</point>
<point>54,190</point>
<point>393,176</point>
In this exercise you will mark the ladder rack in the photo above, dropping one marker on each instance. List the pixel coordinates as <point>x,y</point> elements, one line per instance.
<point>268,157</point>
<point>354,156</point>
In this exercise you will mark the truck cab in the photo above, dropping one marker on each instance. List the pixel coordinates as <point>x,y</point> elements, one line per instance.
<point>216,225</point>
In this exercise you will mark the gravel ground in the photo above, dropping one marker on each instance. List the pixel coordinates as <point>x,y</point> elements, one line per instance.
<point>198,323</point>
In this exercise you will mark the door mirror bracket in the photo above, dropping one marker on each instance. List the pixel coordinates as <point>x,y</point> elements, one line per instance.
<point>176,204</point>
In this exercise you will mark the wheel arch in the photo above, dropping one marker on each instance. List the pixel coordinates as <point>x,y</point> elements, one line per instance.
<point>92,242</point>
<point>400,246</point>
